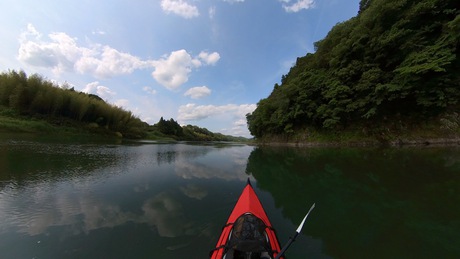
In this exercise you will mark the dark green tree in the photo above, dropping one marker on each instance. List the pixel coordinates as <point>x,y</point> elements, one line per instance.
<point>396,60</point>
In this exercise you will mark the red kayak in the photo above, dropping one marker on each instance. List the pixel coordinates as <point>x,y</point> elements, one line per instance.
<point>248,233</point>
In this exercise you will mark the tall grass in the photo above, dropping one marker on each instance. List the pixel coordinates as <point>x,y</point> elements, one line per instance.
<point>35,96</point>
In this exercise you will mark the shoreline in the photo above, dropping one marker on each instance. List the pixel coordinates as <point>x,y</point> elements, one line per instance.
<point>429,142</point>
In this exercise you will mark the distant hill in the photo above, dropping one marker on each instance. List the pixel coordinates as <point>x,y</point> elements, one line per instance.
<point>171,129</point>
<point>33,104</point>
<point>393,67</point>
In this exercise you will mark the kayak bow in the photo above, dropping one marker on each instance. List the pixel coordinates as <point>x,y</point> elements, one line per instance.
<point>248,233</point>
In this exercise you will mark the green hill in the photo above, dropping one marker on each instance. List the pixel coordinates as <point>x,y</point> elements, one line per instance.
<point>34,98</point>
<point>170,129</point>
<point>33,104</point>
<point>392,70</point>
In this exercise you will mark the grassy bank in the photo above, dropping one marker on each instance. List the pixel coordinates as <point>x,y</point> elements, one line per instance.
<point>11,121</point>
<point>22,125</point>
<point>30,125</point>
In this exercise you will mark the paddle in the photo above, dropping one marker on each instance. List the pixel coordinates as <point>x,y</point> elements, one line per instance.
<point>292,239</point>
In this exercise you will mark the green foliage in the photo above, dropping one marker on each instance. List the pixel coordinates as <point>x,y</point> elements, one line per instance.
<point>13,124</point>
<point>170,129</point>
<point>363,5</point>
<point>397,59</point>
<point>451,123</point>
<point>34,96</point>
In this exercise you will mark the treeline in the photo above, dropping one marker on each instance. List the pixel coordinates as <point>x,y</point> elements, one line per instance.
<point>396,61</point>
<point>32,96</point>
<point>172,129</point>
<point>37,97</point>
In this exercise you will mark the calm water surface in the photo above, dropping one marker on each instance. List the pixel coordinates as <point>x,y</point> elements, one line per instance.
<point>87,199</point>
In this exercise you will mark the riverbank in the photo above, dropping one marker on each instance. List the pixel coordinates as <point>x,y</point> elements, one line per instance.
<point>11,122</point>
<point>423,135</point>
<point>59,127</point>
<point>398,143</point>
<point>418,136</point>
<point>31,125</point>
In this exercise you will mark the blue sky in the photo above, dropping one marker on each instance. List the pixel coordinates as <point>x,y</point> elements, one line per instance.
<point>200,62</point>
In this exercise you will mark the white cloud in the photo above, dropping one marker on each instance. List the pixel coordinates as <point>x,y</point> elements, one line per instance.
<point>180,8</point>
<point>59,54</point>
<point>123,103</point>
<point>191,111</point>
<point>240,128</point>
<point>98,32</point>
<point>290,6</point>
<point>297,6</point>
<point>149,90</point>
<point>31,31</point>
<point>209,58</point>
<point>102,91</point>
<point>198,92</point>
<point>239,123</point>
<point>108,62</point>
<point>234,1</point>
<point>239,131</point>
<point>174,70</point>
<point>63,85</point>
<point>62,53</point>
<point>212,12</point>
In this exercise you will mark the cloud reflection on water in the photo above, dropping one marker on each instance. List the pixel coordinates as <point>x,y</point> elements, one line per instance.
<point>194,191</point>
<point>166,214</point>
<point>83,203</point>
<point>227,164</point>
<point>84,214</point>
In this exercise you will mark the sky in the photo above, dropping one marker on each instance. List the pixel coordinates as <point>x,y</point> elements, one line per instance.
<point>201,62</point>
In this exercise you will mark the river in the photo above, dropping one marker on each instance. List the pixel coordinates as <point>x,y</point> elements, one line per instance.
<point>100,199</point>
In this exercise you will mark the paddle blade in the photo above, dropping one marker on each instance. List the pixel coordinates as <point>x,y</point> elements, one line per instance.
<point>305,218</point>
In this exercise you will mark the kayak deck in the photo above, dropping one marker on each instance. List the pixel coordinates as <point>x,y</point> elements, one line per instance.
<point>248,232</point>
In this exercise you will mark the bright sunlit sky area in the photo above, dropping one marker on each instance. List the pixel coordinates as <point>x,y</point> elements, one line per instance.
<point>200,62</point>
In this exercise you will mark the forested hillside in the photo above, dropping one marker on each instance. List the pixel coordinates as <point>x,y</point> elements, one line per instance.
<point>171,129</point>
<point>38,103</point>
<point>39,98</point>
<point>394,65</point>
